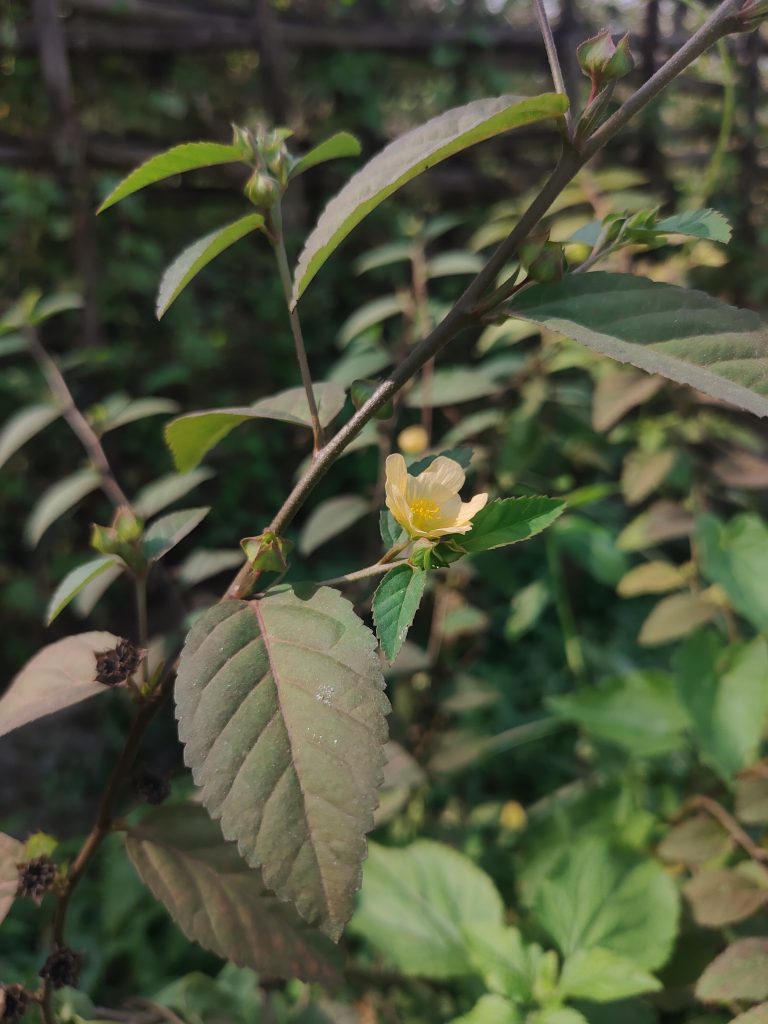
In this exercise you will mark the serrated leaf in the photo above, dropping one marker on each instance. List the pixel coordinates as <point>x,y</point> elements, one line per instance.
<point>407,157</point>
<point>651,578</point>
<point>723,897</point>
<point>330,518</point>
<point>11,854</point>
<point>207,562</point>
<point>339,145</point>
<point>58,500</point>
<point>191,436</point>
<point>416,901</point>
<point>509,520</point>
<point>674,617</point>
<point>167,489</point>
<point>598,896</point>
<point>221,903</point>
<point>603,977</point>
<point>370,314</point>
<point>395,604</point>
<point>684,335</point>
<point>639,712</point>
<point>23,426</point>
<point>188,157</point>
<point>60,675</point>
<point>74,582</point>
<point>138,409</point>
<point>452,386</point>
<point>735,556</point>
<point>725,692</point>
<point>191,261</point>
<point>708,224</point>
<point>391,531</point>
<point>282,712</point>
<point>740,973</point>
<point>168,531</point>
<point>695,841</point>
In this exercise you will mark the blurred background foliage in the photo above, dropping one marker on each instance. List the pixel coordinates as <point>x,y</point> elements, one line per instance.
<point>546,693</point>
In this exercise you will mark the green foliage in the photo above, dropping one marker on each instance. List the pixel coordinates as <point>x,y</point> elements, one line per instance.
<point>508,521</point>
<point>740,973</point>
<point>23,426</point>
<point>339,145</point>
<point>74,582</point>
<point>733,556</point>
<point>395,604</point>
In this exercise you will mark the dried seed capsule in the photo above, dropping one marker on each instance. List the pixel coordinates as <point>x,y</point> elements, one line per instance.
<point>62,968</point>
<point>36,877</point>
<point>14,1002</point>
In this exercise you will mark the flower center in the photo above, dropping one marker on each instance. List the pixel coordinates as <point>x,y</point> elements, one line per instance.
<point>424,512</point>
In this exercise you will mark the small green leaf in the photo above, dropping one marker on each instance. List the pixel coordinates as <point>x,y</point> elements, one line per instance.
<point>415,903</point>
<point>191,261</point>
<point>74,582</point>
<point>406,158</point>
<point>60,675</point>
<point>207,562</point>
<point>695,841</point>
<point>330,518</point>
<point>188,157</point>
<point>462,455</point>
<point>391,531</point>
<point>339,145</point>
<point>168,531</point>
<point>218,901</point>
<point>683,335</point>
<point>58,500</point>
<point>708,224</point>
<point>138,409</point>
<point>651,578</point>
<point>191,436</point>
<point>395,604</point>
<point>674,617</point>
<point>450,264</point>
<point>452,386</point>
<point>752,797</point>
<point>735,556</point>
<point>166,490</point>
<point>23,426</point>
<point>369,315</point>
<point>603,977</point>
<point>490,1009</point>
<point>509,520</point>
<point>11,854</point>
<point>723,897</point>
<point>384,256</point>
<point>281,711</point>
<point>740,973</point>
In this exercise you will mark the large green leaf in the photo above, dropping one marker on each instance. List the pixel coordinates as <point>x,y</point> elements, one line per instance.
<point>60,675</point>
<point>187,157</point>
<point>735,555</point>
<point>11,853</point>
<point>58,500</point>
<point>74,582</point>
<point>407,157</point>
<point>282,712</point>
<point>603,977</point>
<point>683,335</point>
<point>507,965</point>
<point>190,437</point>
<point>740,973</point>
<point>598,896</point>
<point>509,520</point>
<point>339,145</point>
<point>709,224</point>
<point>415,903</point>
<point>395,604</point>
<point>639,712</point>
<point>725,691</point>
<point>191,261</point>
<point>218,901</point>
<point>330,518</point>
<point>23,426</point>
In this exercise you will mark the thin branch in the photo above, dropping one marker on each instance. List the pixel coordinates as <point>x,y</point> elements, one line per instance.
<point>362,574</point>
<point>554,61</point>
<point>278,244</point>
<point>77,422</point>
<point>470,306</point>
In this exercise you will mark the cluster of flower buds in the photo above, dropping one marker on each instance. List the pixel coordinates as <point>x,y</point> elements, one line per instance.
<point>542,260</point>
<point>121,538</point>
<point>266,150</point>
<point>604,63</point>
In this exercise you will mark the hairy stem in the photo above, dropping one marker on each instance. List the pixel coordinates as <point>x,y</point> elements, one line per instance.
<point>362,574</point>
<point>473,303</point>
<point>554,61</point>
<point>77,422</point>
<point>278,244</point>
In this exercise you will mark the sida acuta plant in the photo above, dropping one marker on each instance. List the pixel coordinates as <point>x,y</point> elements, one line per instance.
<point>279,690</point>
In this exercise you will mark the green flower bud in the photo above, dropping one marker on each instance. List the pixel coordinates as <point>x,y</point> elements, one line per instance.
<point>266,551</point>
<point>361,390</point>
<point>621,63</point>
<point>550,265</point>
<point>603,61</point>
<point>753,12</point>
<point>532,248</point>
<point>262,190</point>
<point>245,142</point>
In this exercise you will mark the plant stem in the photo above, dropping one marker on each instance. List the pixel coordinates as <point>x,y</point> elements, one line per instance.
<point>142,622</point>
<point>473,303</point>
<point>77,422</point>
<point>278,245</point>
<point>554,61</point>
<point>362,574</point>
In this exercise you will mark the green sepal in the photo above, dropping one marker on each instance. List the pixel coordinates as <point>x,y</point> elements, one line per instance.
<point>39,844</point>
<point>267,551</point>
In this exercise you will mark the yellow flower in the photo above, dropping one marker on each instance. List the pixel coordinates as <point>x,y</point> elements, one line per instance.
<point>428,505</point>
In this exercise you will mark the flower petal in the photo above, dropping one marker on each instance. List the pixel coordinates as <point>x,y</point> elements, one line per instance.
<point>445,473</point>
<point>470,508</point>
<point>396,473</point>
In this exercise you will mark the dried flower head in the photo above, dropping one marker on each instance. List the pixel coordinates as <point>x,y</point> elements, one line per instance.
<point>14,1003</point>
<point>117,665</point>
<point>62,968</point>
<point>428,505</point>
<point>151,785</point>
<point>36,877</point>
